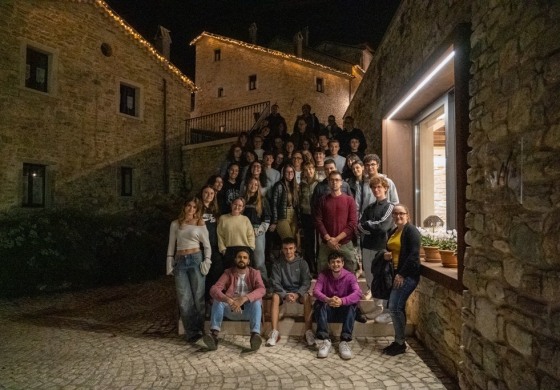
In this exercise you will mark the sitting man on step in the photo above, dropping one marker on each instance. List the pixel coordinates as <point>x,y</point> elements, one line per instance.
<point>291,282</point>
<point>338,293</point>
<point>238,296</point>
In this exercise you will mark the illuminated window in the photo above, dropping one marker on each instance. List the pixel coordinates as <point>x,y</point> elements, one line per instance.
<point>217,55</point>
<point>33,185</point>
<point>129,100</point>
<point>37,70</point>
<point>126,181</point>
<point>252,82</point>
<point>320,85</point>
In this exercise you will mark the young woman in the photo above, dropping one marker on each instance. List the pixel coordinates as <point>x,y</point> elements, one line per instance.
<point>285,199</point>
<point>289,150</point>
<point>235,232</point>
<point>297,162</point>
<point>308,183</point>
<point>249,157</point>
<point>404,251</point>
<point>258,212</point>
<point>231,188</point>
<point>185,261</point>
<point>255,170</point>
<point>243,139</point>
<point>235,154</point>
<point>210,215</point>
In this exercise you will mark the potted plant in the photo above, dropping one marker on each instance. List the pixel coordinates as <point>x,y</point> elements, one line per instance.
<point>447,243</point>
<point>429,245</point>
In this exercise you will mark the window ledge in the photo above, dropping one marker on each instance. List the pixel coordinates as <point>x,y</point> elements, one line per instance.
<point>447,277</point>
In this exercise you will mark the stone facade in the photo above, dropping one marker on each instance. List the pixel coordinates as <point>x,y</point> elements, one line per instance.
<point>75,129</point>
<point>509,315</point>
<point>280,78</point>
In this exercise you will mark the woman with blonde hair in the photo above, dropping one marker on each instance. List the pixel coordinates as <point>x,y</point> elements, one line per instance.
<point>185,261</point>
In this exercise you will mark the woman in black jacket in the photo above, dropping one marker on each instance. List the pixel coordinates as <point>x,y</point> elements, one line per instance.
<point>404,252</point>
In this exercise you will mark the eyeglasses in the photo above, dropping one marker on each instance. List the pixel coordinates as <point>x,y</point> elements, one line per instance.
<point>372,164</point>
<point>397,214</point>
<point>298,158</point>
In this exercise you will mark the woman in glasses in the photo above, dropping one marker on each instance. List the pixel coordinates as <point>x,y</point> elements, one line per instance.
<point>404,251</point>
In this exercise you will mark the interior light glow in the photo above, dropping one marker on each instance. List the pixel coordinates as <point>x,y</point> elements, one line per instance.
<point>423,83</point>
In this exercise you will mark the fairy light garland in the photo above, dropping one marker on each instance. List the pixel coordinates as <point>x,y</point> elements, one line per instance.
<point>262,49</point>
<point>147,45</point>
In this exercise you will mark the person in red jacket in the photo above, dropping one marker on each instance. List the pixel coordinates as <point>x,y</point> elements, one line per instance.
<point>238,296</point>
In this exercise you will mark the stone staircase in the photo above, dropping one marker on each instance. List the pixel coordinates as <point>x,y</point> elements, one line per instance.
<point>291,321</point>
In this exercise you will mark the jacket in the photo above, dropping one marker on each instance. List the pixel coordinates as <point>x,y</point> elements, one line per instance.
<point>226,285</point>
<point>291,276</point>
<point>377,221</point>
<point>383,274</point>
<point>279,203</point>
<point>409,257</point>
<point>345,287</point>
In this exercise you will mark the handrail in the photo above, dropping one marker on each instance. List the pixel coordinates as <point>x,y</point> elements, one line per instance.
<point>228,122</point>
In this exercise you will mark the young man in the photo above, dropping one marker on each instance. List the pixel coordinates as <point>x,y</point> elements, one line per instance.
<point>372,163</point>
<point>336,221</point>
<point>348,132</point>
<point>238,296</point>
<point>340,162</point>
<point>272,175</point>
<point>291,282</point>
<point>319,157</point>
<point>322,189</point>
<point>338,293</point>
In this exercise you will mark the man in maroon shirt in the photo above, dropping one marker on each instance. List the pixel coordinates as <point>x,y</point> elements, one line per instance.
<point>336,221</point>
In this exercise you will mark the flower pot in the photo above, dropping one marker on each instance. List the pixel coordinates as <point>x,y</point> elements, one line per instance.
<point>422,254</point>
<point>448,258</point>
<point>432,254</point>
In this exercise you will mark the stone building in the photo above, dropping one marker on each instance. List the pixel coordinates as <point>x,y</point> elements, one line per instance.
<point>92,115</point>
<point>481,79</point>
<point>236,73</point>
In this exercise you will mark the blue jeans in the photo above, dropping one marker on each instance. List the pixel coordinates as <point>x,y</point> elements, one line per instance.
<point>189,283</point>
<point>397,306</point>
<point>252,311</point>
<point>324,314</point>
<point>260,243</point>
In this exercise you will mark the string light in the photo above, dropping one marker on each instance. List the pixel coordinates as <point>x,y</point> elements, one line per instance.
<point>147,45</point>
<point>262,49</point>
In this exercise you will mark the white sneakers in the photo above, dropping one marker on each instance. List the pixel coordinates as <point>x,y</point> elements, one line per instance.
<point>324,349</point>
<point>273,338</point>
<point>344,350</point>
<point>384,318</point>
<point>310,338</point>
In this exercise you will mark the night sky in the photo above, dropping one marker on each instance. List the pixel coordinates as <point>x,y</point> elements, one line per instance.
<point>348,21</point>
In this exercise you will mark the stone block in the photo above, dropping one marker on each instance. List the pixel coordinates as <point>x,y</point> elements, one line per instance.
<point>519,339</point>
<point>549,357</point>
<point>518,373</point>
<point>486,320</point>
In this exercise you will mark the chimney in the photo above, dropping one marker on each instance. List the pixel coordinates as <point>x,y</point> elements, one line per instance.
<point>298,40</point>
<point>253,33</point>
<point>163,41</point>
<point>306,36</point>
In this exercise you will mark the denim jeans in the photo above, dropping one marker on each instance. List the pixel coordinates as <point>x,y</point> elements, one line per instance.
<point>397,306</point>
<point>324,314</point>
<point>260,242</point>
<point>189,283</point>
<point>252,311</point>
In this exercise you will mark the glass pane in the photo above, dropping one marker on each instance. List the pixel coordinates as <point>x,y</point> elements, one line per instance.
<point>432,168</point>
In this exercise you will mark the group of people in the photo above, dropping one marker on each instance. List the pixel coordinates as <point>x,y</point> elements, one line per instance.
<point>302,204</point>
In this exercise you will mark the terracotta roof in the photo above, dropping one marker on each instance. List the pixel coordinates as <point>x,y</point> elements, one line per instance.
<point>275,53</point>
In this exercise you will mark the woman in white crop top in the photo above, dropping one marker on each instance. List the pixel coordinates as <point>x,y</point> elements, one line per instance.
<point>187,235</point>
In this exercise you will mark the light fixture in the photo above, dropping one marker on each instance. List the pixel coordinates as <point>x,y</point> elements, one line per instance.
<point>423,83</point>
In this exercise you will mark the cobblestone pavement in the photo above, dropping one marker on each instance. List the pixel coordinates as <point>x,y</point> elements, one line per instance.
<point>125,338</point>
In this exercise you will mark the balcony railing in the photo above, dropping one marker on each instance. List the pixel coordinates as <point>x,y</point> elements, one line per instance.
<point>225,123</point>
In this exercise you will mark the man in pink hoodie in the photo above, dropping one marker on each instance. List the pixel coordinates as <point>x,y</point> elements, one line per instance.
<point>337,293</point>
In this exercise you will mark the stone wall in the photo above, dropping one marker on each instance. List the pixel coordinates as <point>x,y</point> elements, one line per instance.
<point>279,80</point>
<point>435,312</point>
<point>76,129</point>
<point>511,332</point>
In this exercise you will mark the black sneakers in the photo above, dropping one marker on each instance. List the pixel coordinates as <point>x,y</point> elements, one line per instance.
<point>255,341</point>
<point>395,349</point>
<point>211,341</point>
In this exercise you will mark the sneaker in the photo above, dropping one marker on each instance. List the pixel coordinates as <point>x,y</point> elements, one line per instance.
<point>344,350</point>
<point>384,318</point>
<point>396,350</point>
<point>255,341</point>
<point>360,316</point>
<point>390,347</point>
<point>273,338</point>
<point>310,338</point>
<point>211,341</point>
<point>324,349</point>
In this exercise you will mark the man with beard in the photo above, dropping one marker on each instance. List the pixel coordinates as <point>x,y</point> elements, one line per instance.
<point>238,296</point>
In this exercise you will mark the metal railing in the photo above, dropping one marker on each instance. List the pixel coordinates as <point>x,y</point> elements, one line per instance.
<point>225,123</point>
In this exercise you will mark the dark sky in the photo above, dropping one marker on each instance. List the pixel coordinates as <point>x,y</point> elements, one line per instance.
<point>348,21</point>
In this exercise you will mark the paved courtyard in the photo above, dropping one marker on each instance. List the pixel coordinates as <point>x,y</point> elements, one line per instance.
<point>125,338</point>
